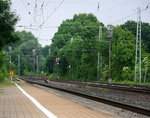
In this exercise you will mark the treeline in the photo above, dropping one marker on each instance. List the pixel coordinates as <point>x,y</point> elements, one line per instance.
<point>78,43</point>
<point>80,49</point>
<point>8,20</point>
<point>19,51</point>
<point>26,55</point>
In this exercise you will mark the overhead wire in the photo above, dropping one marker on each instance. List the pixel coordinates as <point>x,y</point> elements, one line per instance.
<point>41,14</point>
<point>32,17</point>
<point>123,3</point>
<point>44,21</point>
<point>34,14</point>
<point>25,7</point>
<point>47,3</point>
<point>147,7</point>
<point>39,17</point>
<point>52,12</point>
<point>123,18</point>
<point>29,3</point>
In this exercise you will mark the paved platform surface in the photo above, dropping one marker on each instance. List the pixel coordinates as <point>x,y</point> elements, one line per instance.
<point>14,104</point>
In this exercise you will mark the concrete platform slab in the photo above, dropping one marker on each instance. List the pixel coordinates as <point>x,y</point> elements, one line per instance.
<point>61,107</point>
<point>14,104</point>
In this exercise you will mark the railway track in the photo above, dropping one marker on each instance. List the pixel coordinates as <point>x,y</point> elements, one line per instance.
<point>124,87</point>
<point>143,111</point>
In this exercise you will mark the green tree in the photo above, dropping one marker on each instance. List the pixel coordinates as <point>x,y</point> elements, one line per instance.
<point>145,31</point>
<point>76,43</point>
<point>8,20</point>
<point>30,52</point>
<point>45,50</point>
<point>123,54</point>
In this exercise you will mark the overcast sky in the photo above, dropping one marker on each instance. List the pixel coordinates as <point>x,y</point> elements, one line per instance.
<point>50,13</point>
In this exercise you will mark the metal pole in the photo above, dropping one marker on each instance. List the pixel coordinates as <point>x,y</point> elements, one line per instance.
<point>11,78</point>
<point>98,63</point>
<point>57,70</point>
<point>72,77</point>
<point>98,55</point>
<point>18,64</point>
<point>146,68</point>
<point>37,64</point>
<point>137,74</point>
<point>10,62</point>
<point>101,65</point>
<point>34,60</point>
<point>10,50</point>
<point>110,36</point>
<point>110,59</point>
<point>140,70</point>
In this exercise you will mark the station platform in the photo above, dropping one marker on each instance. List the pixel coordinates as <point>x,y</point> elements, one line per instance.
<point>15,104</point>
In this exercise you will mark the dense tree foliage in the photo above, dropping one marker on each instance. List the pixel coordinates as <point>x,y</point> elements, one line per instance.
<point>8,20</point>
<point>74,51</point>
<point>77,45</point>
<point>28,54</point>
<point>145,31</point>
<point>145,35</point>
<point>123,54</point>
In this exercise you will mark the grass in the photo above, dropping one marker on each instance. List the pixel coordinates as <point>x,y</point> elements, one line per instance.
<point>131,82</point>
<point>6,82</point>
<point>52,76</point>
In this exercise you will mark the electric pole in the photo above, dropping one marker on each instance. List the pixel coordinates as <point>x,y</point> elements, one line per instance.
<point>10,50</point>
<point>18,64</point>
<point>37,64</point>
<point>99,57</point>
<point>110,38</point>
<point>34,61</point>
<point>137,74</point>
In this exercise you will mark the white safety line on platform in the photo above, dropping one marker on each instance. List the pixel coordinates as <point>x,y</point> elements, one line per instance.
<point>37,104</point>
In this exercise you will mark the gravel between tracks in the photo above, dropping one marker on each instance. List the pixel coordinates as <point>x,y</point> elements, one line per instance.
<point>131,98</point>
<point>120,113</point>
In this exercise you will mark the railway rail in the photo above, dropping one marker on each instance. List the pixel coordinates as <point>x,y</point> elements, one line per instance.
<point>124,87</point>
<point>144,89</point>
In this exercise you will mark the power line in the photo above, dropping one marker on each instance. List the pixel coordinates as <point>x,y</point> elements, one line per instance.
<point>27,9</point>
<point>130,15</point>
<point>47,2</point>
<point>52,12</point>
<point>48,27</point>
<point>123,18</point>
<point>39,34</point>
<point>123,3</point>
<point>29,3</point>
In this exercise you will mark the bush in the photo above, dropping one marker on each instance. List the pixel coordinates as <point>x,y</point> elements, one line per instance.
<point>127,74</point>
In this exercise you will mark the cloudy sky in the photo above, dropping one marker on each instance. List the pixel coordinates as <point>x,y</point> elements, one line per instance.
<point>42,17</point>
